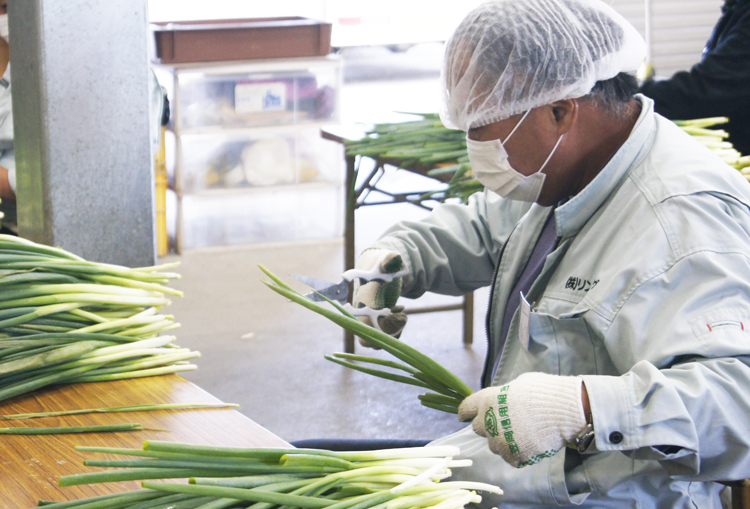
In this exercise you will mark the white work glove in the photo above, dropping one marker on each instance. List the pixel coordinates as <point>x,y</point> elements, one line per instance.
<point>528,419</point>
<point>378,294</point>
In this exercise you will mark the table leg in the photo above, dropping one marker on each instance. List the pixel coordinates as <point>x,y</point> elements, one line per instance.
<point>741,494</point>
<point>351,204</point>
<point>468,309</point>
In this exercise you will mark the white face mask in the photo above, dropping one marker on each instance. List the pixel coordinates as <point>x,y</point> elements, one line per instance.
<point>489,162</point>
<point>4,26</point>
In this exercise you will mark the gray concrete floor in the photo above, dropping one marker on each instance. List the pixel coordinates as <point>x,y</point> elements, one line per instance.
<point>266,354</point>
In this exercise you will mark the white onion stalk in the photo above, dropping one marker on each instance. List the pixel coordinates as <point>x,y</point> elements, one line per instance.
<point>65,319</point>
<point>221,477</point>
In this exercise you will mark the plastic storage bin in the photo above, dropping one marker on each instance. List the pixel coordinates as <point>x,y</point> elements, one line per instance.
<point>261,95</point>
<point>261,157</point>
<point>279,214</point>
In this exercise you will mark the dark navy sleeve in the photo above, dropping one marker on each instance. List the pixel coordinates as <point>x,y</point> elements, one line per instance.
<point>719,85</point>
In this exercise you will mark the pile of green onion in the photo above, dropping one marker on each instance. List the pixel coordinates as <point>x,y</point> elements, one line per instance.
<point>266,478</point>
<point>428,144</point>
<point>425,143</point>
<point>64,319</point>
<point>716,140</point>
<point>445,390</point>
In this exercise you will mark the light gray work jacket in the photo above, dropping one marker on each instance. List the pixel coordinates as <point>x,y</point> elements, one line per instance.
<point>646,295</point>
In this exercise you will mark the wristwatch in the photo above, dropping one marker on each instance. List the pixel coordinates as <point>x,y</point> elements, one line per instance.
<point>583,441</point>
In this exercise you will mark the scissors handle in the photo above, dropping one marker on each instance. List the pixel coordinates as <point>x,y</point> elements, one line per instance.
<point>372,314</point>
<point>374,274</point>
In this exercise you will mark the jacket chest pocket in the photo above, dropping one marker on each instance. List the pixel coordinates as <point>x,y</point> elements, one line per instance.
<point>558,346</point>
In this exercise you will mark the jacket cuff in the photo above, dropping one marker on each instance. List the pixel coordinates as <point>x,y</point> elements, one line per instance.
<point>611,410</point>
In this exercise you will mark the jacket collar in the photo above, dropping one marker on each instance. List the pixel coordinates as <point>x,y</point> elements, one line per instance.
<point>572,215</point>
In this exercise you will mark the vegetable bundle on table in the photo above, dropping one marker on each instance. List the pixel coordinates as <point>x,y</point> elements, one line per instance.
<point>226,477</point>
<point>64,319</point>
<point>446,390</point>
<point>424,143</point>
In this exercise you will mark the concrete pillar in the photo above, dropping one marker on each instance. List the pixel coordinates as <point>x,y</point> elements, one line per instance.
<point>80,83</point>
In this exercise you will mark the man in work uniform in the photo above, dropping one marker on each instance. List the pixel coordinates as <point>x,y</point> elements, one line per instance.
<point>618,253</point>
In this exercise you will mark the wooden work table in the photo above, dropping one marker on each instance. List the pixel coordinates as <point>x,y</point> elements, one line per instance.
<point>30,466</point>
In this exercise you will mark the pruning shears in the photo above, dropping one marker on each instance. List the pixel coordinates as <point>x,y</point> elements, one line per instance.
<point>324,289</point>
<point>339,292</point>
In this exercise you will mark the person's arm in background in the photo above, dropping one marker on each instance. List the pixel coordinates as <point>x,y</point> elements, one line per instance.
<point>4,54</point>
<point>717,85</point>
<point>7,177</point>
<point>7,192</point>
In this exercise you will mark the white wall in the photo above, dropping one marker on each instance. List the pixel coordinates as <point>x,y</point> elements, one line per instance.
<point>679,31</point>
<point>678,28</point>
<point>183,10</point>
<point>355,22</point>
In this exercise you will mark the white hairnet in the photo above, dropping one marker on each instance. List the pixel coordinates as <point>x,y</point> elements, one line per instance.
<point>508,56</point>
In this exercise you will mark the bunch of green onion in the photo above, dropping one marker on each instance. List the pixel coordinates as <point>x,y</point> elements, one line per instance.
<point>266,478</point>
<point>427,143</point>
<point>445,390</point>
<point>64,319</point>
<point>716,140</point>
<point>424,143</point>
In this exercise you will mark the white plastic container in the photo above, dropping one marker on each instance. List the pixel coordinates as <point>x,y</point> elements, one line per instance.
<point>265,93</point>
<point>241,159</point>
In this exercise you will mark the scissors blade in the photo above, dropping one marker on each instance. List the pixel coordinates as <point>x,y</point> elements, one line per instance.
<point>323,288</point>
<point>313,282</point>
